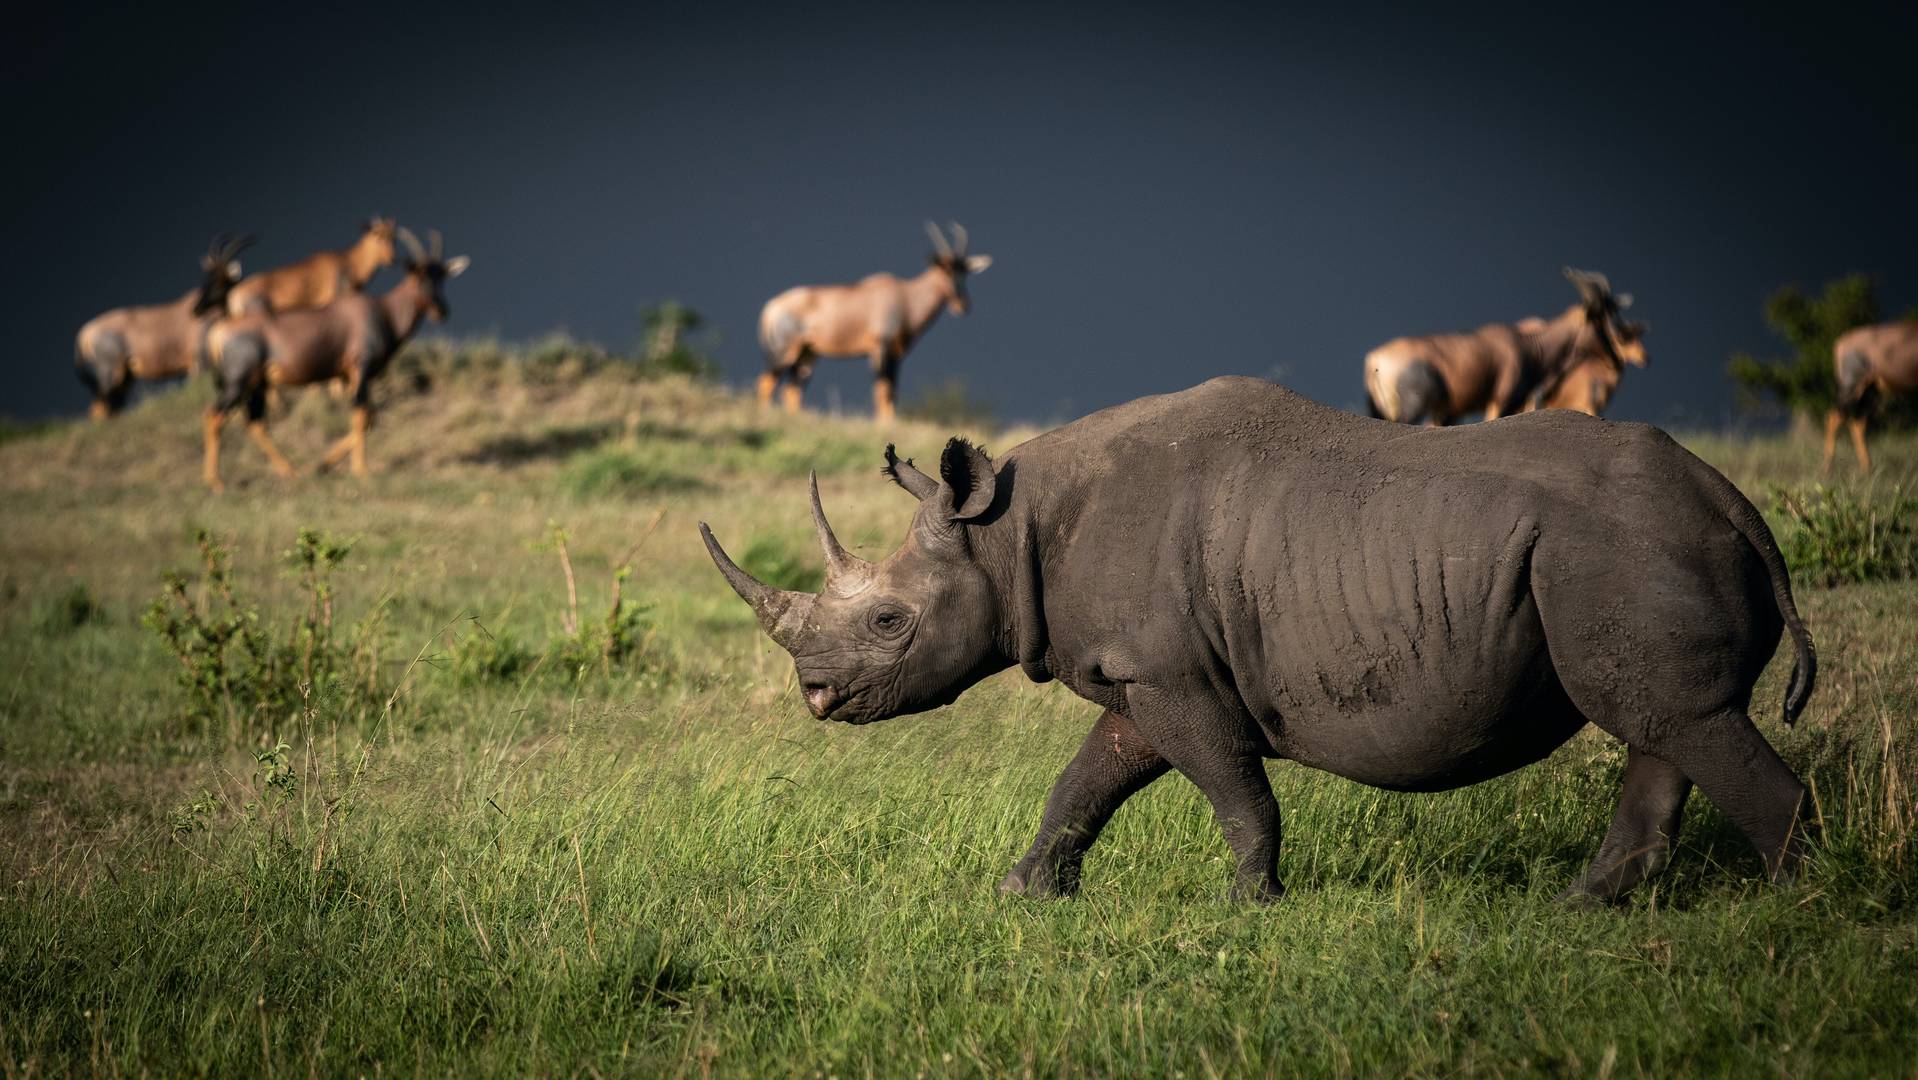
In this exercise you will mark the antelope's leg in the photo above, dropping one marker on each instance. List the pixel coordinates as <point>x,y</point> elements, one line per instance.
<point>353,438</point>
<point>798,375</point>
<point>256,430</point>
<point>211,423</point>
<point>768,383</point>
<point>362,419</point>
<point>1113,763</point>
<point>1833,419</point>
<point>885,383</point>
<point>1857,424</point>
<point>97,411</point>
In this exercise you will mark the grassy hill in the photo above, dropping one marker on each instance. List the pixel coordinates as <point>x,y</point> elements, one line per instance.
<point>409,808</point>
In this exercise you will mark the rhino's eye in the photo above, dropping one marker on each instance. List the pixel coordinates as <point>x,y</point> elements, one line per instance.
<point>889,622</point>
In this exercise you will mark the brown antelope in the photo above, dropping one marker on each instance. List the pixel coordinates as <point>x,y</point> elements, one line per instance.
<point>317,279</point>
<point>1869,362</point>
<point>158,341</point>
<point>1436,380</point>
<point>1590,376</point>
<point>879,318</point>
<point>351,338</point>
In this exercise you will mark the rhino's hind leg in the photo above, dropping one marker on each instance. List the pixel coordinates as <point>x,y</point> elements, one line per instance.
<point>1112,764</point>
<point>1639,842</point>
<point>1743,776</point>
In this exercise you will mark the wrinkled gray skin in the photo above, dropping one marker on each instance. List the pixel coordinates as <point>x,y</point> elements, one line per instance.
<point>1236,573</point>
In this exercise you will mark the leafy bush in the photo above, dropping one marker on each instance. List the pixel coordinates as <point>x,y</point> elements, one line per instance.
<point>485,656</point>
<point>1830,536</point>
<point>68,610</point>
<point>620,470</point>
<point>580,646</point>
<point>233,669</point>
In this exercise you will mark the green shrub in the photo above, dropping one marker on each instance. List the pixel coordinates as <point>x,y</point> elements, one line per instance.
<point>484,656</point>
<point>620,470</point>
<point>1830,536</point>
<point>234,670</point>
<point>68,610</point>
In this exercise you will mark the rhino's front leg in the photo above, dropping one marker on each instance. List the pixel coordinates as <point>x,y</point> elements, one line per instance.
<point>1112,763</point>
<point>1211,746</point>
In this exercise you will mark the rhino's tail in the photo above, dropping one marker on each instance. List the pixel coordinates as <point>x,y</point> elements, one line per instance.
<point>1748,521</point>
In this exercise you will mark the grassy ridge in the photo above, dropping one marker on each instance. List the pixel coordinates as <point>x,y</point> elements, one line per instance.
<point>666,867</point>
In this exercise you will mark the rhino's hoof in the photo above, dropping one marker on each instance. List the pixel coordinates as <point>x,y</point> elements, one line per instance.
<point>1263,892</point>
<point>1577,899</point>
<point>1031,883</point>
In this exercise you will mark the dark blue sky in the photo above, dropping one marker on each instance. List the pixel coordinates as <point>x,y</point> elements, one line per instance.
<point>1169,194</point>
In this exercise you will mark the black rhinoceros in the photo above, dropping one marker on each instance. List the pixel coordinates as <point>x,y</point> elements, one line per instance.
<point>1235,573</point>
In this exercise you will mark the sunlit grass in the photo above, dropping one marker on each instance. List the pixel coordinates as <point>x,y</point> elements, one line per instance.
<point>670,868</point>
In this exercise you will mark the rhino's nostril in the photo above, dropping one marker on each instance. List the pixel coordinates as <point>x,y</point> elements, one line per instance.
<point>821,698</point>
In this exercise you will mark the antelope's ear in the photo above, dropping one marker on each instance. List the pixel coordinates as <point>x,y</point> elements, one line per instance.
<point>233,269</point>
<point>976,264</point>
<point>457,265</point>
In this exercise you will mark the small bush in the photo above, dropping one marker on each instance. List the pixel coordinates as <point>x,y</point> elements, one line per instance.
<point>234,669</point>
<point>485,656</point>
<point>620,470</point>
<point>68,610</point>
<point>1830,536</point>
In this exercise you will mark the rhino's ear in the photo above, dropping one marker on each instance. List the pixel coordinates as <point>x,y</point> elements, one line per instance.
<point>966,472</point>
<point>906,476</point>
<point>962,493</point>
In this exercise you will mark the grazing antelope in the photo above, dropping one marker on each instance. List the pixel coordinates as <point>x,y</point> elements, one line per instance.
<point>1436,380</point>
<point>351,338</point>
<point>158,341</point>
<point>1869,361</point>
<point>879,318</point>
<point>317,279</point>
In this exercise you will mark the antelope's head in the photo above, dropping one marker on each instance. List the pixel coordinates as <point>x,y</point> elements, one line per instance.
<point>376,241</point>
<point>220,271</point>
<point>431,270</point>
<point>1604,312</point>
<point>950,257</point>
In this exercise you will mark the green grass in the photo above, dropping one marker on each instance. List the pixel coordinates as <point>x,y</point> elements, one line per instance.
<point>664,866</point>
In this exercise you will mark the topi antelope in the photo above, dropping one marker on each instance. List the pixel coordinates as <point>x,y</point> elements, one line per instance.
<point>879,318</point>
<point>1869,362</point>
<point>1590,376</point>
<point>319,278</point>
<point>158,341</point>
<point>351,338</point>
<point>1438,379</point>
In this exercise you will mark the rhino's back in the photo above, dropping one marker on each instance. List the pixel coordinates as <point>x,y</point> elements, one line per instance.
<point>1366,587</point>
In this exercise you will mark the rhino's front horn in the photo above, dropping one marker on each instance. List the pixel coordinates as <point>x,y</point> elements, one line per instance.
<point>846,573</point>
<point>781,614</point>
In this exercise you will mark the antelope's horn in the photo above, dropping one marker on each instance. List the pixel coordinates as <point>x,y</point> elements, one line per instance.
<point>939,241</point>
<point>412,244</point>
<point>846,573</point>
<point>781,614</point>
<point>435,245</point>
<point>960,244</point>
